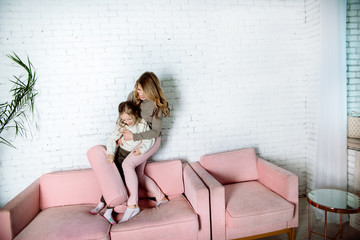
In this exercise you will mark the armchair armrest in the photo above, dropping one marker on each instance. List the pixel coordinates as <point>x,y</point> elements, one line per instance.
<point>217,201</point>
<point>20,211</point>
<point>282,182</point>
<point>198,195</point>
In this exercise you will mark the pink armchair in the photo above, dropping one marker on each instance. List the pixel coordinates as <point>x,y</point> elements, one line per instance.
<point>249,197</point>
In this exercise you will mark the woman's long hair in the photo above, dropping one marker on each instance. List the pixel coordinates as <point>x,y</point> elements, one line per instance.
<point>151,86</point>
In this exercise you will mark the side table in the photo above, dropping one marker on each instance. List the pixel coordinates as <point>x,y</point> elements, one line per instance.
<point>332,200</point>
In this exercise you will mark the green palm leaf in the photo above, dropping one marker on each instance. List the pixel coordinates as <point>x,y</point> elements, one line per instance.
<point>15,113</point>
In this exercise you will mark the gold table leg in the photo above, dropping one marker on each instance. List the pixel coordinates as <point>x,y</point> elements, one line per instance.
<point>325,225</point>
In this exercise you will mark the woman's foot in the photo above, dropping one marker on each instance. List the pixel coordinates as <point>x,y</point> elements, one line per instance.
<point>164,200</point>
<point>98,208</point>
<point>129,214</point>
<point>108,216</point>
<point>158,203</point>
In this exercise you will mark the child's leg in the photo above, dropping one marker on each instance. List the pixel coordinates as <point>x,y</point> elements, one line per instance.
<point>120,155</point>
<point>131,176</point>
<point>149,184</point>
<point>129,164</point>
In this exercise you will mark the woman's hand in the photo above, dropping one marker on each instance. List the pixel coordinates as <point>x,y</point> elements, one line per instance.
<point>119,142</point>
<point>127,135</point>
<point>136,151</point>
<point>110,158</point>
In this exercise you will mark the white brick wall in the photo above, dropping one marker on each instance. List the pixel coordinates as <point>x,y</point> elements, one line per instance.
<point>236,73</point>
<point>353,54</point>
<point>353,73</point>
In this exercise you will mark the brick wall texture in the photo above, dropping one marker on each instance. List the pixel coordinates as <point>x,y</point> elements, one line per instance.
<point>236,74</point>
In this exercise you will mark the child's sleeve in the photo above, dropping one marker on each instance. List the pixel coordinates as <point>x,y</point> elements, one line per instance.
<point>111,142</point>
<point>146,144</point>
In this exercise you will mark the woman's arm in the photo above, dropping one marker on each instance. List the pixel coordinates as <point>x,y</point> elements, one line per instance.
<point>146,144</point>
<point>154,132</point>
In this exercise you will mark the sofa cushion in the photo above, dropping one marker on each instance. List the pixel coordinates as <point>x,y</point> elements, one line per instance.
<point>174,218</point>
<point>167,175</point>
<point>231,167</point>
<point>68,188</point>
<point>67,222</point>
<point>251,204</point>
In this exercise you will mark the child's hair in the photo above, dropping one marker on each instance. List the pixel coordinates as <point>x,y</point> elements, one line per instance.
<point>151,86</point>
<point>131,109</point>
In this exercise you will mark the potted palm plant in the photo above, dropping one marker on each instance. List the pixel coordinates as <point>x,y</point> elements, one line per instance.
<point>14,114</point>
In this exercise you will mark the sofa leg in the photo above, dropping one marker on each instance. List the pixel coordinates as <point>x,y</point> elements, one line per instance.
<point>291,234</point>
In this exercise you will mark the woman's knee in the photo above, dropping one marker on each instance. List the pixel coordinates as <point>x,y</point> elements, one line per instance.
<point>128,164</point>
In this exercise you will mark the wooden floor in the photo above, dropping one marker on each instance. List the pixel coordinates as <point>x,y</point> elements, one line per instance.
<point>301,233</point>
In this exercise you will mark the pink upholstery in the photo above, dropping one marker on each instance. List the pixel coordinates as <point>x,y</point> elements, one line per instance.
<point>198,196</point>
<point>236,166</point>
<point>16,214</point>
<point>185,218</point>
<point>217,201</point>
<point>168,176</point>
<point>283,183</point>
<point>57,207</point>
<point>161,172</point>
<point>68,222</point>
<point>108,176</point>
<point>67,188</point>
<point>175,218</point>
<point>251,204</point>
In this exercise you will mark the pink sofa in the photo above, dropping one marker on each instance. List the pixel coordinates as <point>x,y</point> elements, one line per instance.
<point>57,205</point>
<point>250,198</point>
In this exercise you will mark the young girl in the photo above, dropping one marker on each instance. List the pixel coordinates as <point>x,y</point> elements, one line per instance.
<point>154,107</point>
<point>129,120</point>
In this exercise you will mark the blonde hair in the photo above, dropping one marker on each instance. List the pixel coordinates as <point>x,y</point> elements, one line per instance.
<point>152,88</point>
<point>131,109</point>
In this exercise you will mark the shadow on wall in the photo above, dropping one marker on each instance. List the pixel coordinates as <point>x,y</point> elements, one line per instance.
<point>172,95</point>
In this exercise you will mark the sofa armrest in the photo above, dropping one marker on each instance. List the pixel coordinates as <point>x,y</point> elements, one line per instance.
<point>198,195</point>
<point>20,211</point>
<point>217,201</point>
<point>282,182</point>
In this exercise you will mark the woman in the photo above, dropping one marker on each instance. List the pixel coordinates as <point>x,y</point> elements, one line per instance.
<point>154,107</point>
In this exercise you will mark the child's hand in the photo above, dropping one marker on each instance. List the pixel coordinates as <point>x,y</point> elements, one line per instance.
<point>110,158</point>
<point>136,152</point>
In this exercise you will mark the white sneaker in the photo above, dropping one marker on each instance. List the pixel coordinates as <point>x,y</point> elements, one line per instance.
<point>98,208</point>
<point>129,214</point>
<point>158,203</point>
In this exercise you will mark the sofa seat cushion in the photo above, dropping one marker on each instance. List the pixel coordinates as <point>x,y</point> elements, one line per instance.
<point>174,218</point>
<point>67,222</point>
<point>251,204</point>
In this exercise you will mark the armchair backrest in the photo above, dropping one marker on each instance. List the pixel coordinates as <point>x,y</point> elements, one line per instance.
<point>233,166</point>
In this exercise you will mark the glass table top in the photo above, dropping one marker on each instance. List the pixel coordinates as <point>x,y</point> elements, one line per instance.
<point>334,200</point>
